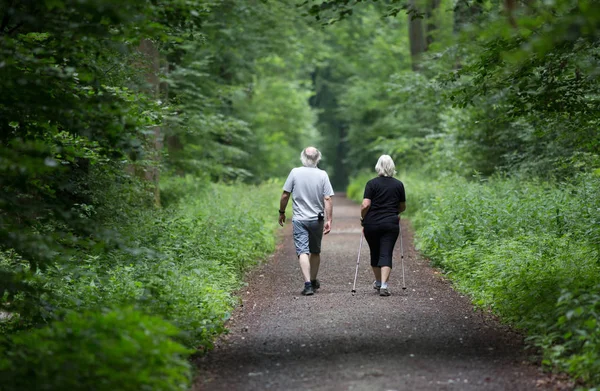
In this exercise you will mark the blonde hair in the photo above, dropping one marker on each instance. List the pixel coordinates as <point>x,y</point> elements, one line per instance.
<point>385,166</point>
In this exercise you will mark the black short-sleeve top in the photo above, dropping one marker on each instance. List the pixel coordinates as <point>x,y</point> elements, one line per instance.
<point>385,193</point>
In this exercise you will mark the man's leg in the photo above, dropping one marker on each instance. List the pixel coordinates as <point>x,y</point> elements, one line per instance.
<point>315,262</point>
<point>305,266</point>
<point>301,242</point>
<point>315,236</point>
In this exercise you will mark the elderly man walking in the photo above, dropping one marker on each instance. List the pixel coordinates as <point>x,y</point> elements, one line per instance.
<point>312,210</point>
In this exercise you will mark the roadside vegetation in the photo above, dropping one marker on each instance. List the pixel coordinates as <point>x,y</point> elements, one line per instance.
<point>130,314</point>
<point>527,250</point>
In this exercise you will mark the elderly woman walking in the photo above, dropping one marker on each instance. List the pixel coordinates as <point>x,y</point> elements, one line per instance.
<point>383,201</point>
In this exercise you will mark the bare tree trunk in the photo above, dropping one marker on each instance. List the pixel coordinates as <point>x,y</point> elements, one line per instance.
<point>415,35</point>
<point>152,66</point>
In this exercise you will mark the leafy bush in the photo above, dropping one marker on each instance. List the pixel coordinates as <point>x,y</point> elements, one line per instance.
<point>175,266</point>
<point>529,251</point>
<point>572,343</point>
<point>116,350</point>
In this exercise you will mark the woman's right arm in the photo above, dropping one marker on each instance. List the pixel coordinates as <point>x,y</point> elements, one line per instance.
<point>401,207</point>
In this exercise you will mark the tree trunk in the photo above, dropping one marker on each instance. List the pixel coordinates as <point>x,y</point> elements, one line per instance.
<point>415,35</point>
<point>155,141</point>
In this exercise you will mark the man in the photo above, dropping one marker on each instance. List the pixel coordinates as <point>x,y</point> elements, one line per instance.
<point>312,213</point>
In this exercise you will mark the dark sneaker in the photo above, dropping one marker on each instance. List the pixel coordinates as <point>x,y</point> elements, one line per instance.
<point>375,286</point>
<point>315,284</point>
<point>308,290</point>
<point>384,292</point>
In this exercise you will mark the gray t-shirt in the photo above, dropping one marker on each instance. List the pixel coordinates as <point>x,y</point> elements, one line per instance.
<point>309,187</point>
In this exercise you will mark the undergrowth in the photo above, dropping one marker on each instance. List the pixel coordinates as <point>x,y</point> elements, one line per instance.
<point>174,270</point>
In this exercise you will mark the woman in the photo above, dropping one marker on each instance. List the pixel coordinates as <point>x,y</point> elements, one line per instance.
<point>383,200</point>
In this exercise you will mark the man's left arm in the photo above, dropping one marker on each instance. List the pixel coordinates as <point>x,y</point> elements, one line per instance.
<point>328,215</point>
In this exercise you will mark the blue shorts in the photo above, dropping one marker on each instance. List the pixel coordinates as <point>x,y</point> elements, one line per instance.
<point>307,236</point>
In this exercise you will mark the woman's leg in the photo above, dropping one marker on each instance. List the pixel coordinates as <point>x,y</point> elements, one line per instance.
<point>373,239</point>
<point>388,240</point>
<point>376,273</point>
<point>385,274</point>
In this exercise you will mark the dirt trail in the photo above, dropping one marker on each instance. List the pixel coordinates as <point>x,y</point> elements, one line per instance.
<point>425,338</point>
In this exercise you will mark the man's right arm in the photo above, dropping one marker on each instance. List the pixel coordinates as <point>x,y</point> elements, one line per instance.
<point>285,198</point>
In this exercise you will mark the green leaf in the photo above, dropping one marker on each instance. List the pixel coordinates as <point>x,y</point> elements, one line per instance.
<point>54,4</point>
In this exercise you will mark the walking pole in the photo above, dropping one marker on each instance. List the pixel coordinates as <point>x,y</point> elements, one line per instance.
<point>401,254</point>
<point>357,262</point>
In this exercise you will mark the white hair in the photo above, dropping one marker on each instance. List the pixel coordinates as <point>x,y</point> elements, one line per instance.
<point>310,158</point>
<point>385,166</point>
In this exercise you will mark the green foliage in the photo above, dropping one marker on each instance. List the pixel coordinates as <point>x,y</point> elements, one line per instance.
<point>511,91</point>
<point>181,263</point>
<point>241,94</point>
<point>333,11</point>
<point>279,132</point>
<point>351,91</point>
<point>115,350</point>
<point>406,130</point>
<point>529,251</point>
<point>528,92</point>
<point>572,343</point>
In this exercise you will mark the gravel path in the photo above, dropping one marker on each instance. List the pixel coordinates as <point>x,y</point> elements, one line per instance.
<point>427,337</point>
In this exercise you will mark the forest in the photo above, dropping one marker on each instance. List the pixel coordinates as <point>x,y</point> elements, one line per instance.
<point>144,143</point>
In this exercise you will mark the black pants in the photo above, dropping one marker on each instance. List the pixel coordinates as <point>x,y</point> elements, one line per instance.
<point>381,239</point>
